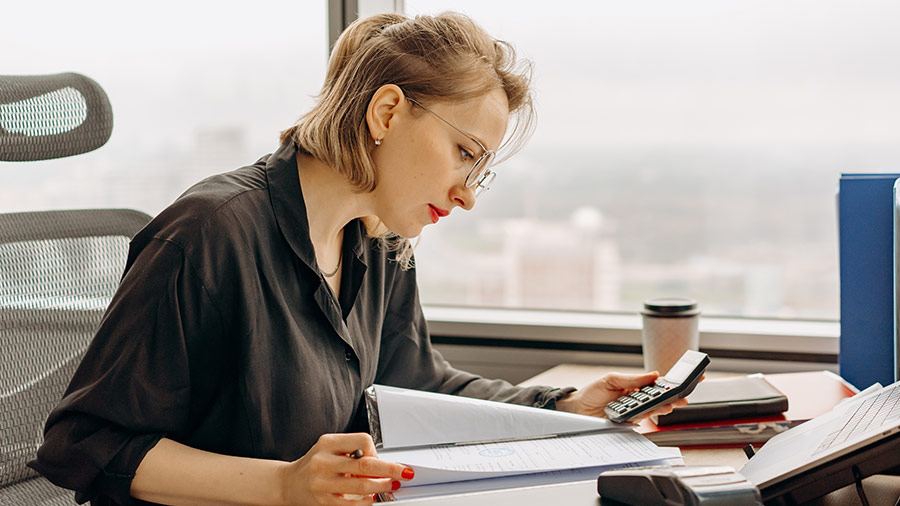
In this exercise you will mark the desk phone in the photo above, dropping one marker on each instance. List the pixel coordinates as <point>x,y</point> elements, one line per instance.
<point>677,383</point>
<point>678,486</point>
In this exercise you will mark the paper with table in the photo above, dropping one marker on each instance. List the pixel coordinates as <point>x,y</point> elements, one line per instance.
<point>448,439</point>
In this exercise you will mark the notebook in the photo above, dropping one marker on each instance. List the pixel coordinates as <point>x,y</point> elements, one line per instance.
<point>728,398</point>
<point>857,438</point>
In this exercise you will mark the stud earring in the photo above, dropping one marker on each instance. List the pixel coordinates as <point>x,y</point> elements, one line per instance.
<point>377,142</point>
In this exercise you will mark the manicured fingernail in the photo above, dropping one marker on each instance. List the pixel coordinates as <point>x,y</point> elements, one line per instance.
<point>395,485</point>
<point>407,474</point>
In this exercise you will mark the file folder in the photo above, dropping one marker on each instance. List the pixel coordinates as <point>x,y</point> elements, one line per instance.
<point>866,244</point>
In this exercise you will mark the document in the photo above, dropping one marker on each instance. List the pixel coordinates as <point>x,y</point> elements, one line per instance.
<point>451,440</point>
<point>524,480</point>
<point>407,417</point>
<point>446,463</point>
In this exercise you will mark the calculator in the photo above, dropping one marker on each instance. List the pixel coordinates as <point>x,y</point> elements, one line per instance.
<point>677,383</point>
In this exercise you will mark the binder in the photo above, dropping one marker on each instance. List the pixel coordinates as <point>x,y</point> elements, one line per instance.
<point>865,236</point>
<point>896,319</point>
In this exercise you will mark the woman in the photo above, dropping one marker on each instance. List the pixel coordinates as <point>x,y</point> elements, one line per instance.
<point>256,309</point>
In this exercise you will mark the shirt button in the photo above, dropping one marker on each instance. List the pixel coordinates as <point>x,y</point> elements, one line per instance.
<point>348,354</point>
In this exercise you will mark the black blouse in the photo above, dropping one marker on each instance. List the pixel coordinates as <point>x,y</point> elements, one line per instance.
<point>224,336</point>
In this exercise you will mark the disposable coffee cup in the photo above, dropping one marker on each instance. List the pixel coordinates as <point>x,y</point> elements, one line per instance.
<point>670,327</point>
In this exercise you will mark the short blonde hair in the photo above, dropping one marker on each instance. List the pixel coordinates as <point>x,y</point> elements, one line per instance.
<point>431,58</point>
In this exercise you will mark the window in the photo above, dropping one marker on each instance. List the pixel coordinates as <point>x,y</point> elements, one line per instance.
<point>683,148</point>
<point>196,88</point>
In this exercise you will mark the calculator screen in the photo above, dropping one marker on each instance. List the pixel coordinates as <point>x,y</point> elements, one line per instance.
<point>680,371</point>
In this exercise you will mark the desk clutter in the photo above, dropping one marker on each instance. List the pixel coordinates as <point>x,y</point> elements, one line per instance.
<point>733,412</point>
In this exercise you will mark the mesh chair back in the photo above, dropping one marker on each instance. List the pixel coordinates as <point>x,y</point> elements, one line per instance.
<point>58,272</point>
<point>51,116</point>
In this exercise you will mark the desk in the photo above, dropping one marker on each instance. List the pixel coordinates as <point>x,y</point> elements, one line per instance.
<point>881,490</point>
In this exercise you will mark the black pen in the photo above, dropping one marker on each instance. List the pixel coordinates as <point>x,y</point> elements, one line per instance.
<point>356,454</point>
<point>381,496</point>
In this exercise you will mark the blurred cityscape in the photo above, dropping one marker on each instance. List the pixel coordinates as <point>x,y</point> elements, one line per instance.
<point>605,230</point>
<point>689,148</point>
<point>584,230</point>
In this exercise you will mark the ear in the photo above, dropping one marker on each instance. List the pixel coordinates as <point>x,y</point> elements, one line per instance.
<point>383,107</point>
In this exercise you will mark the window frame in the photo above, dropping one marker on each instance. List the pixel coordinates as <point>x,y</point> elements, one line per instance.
<point>766,344</point>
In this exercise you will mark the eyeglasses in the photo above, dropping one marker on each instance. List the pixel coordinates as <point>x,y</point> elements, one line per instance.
<point>480,176</point>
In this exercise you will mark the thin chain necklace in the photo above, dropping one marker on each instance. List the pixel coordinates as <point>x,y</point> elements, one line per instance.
<point>338,266</point>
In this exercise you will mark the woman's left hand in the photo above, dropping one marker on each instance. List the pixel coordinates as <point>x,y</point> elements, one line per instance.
<point>591,399</point>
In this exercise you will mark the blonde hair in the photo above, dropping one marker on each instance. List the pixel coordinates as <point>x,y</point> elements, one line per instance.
<point>440,58</point>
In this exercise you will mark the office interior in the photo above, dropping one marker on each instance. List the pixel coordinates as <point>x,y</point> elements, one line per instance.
<point>682,149</point>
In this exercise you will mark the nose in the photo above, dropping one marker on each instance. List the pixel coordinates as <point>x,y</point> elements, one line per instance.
<point>463,197</point>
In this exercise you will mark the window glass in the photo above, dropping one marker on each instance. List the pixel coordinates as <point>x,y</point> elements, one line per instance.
<point>196,88</point>
<point>687,148</point>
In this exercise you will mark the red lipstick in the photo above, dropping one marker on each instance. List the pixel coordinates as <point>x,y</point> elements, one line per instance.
<point>436,213</point>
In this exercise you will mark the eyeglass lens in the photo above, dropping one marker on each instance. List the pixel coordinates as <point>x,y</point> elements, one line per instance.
<point>481,173</point>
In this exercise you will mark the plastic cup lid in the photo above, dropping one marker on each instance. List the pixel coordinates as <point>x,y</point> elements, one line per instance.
<point>671,306</point>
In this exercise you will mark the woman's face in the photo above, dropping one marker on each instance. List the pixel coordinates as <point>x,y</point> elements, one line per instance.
<point>423,162</point>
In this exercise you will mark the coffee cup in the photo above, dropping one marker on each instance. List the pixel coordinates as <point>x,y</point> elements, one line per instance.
<point>670,327</point>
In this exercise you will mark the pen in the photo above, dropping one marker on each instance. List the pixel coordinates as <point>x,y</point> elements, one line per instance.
<point>380,497</point>
<point>356,454</point>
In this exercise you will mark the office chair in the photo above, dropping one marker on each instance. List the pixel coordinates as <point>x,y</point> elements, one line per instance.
<point>51,116</point>
<point>58,271</point>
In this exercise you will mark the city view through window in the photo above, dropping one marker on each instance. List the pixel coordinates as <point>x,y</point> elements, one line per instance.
<point>682,148</point>
<point>688,148</point>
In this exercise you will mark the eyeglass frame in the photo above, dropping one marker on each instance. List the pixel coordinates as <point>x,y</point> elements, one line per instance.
<point>487,155</point>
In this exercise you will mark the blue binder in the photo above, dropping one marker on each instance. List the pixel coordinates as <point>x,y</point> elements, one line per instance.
<point>897,281</point>
<point>865,231</point>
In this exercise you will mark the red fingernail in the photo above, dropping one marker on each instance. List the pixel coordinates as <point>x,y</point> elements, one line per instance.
<point>395,485</point>
<point>407,474</point>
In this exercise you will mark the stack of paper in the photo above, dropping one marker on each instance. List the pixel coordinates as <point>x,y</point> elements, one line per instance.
<point>450,441</point>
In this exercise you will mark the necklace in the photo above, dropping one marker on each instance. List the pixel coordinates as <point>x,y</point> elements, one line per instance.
<point>338,266</point>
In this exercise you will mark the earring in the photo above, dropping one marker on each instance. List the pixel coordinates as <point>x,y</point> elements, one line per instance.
<point>377,142</point>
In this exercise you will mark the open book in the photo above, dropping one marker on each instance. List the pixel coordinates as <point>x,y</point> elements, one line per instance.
<point>458,444</point>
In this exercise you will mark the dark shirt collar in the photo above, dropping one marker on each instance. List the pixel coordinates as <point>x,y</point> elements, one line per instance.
<point>290,213</point>
<point>290,208</point>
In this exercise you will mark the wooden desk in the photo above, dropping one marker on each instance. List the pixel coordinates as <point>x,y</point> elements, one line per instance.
<point>881,490</point>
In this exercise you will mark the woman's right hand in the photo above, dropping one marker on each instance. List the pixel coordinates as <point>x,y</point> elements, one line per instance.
<point>328,475</point>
